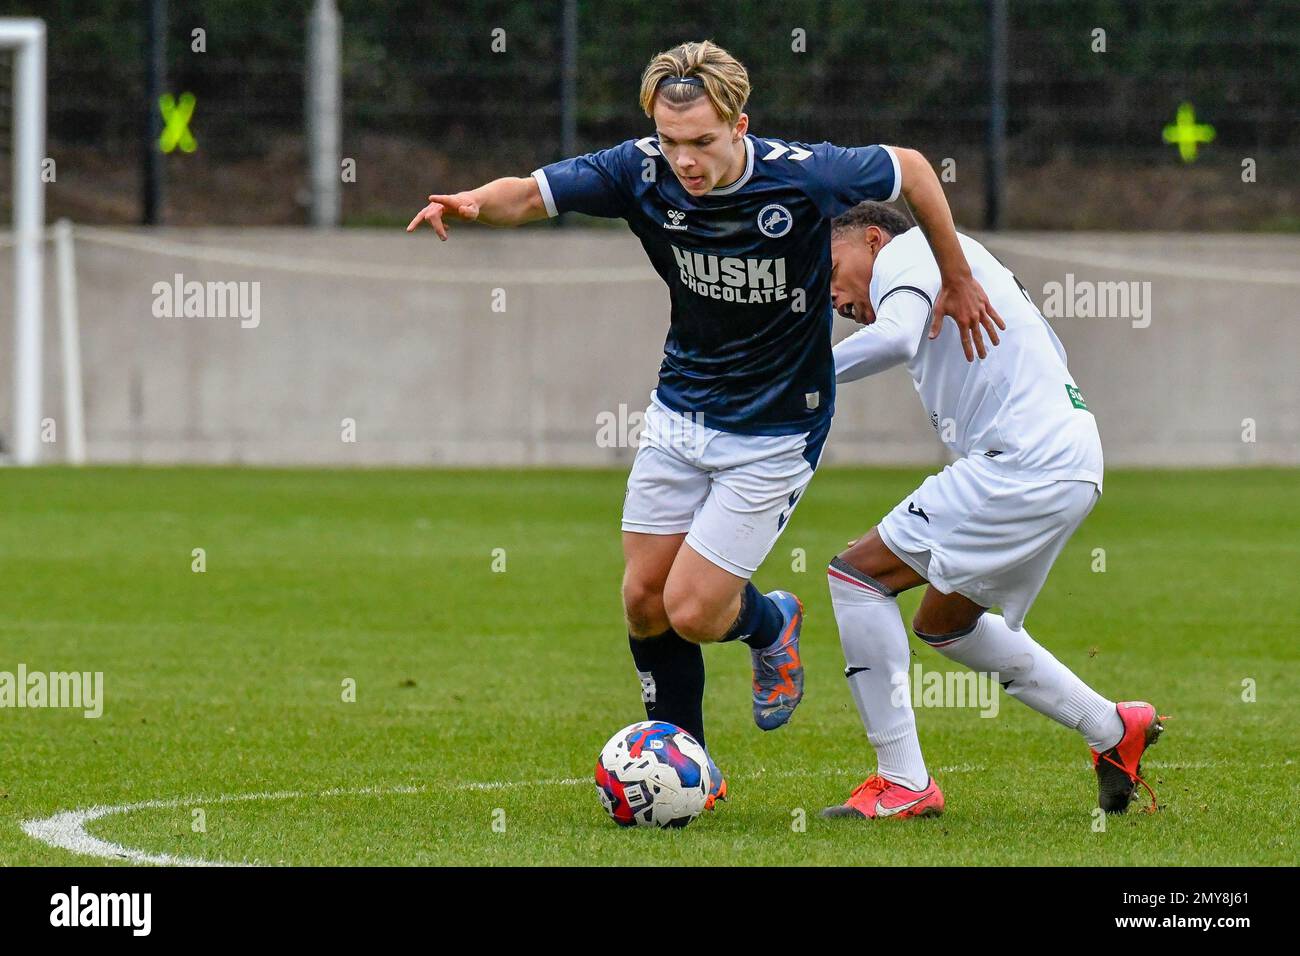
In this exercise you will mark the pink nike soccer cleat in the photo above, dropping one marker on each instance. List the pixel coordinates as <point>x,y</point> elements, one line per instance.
<point>877,797</point>
<point>1119,769</point>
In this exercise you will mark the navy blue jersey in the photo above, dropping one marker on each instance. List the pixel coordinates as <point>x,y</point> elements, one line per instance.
<point>747,265</point>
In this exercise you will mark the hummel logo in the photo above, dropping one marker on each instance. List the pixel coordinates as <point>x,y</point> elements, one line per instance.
<point>797,153</point>
<point>912,509</point>
<point>676,215</point>
<point>883,811</point>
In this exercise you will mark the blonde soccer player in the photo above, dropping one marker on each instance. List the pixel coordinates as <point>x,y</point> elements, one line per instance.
<point>738,227</point>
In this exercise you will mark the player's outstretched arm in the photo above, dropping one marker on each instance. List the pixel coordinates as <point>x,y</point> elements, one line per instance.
<point>876,347</point>
<point>961,296</point>
<point>511,201</point>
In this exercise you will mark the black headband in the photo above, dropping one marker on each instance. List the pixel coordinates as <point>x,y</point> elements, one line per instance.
<point>688,80</point>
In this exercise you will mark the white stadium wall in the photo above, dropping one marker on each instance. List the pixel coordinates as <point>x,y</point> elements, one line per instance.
<point>402,335</point>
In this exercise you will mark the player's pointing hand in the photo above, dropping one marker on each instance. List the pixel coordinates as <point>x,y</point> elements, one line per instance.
<point>963,298</point>
<point>458,206</point>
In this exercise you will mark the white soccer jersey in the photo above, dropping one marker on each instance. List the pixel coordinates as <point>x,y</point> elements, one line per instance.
<point>1019,407</point>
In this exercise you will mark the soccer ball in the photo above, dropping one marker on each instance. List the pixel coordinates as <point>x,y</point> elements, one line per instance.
<point>653,774</point>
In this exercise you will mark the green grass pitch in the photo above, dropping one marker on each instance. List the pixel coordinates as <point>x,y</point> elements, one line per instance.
<point>483,695</point>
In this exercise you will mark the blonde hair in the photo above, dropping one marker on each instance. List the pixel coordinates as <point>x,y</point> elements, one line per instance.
<point>726,82</point>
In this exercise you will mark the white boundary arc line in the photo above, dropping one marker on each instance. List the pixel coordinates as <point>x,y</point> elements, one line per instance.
<point>66,830</point>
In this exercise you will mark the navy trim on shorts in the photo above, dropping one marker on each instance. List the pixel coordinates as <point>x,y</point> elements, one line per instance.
<point>815,441</point>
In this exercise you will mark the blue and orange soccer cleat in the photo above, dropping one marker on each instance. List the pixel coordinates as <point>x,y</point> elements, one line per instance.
<point>1119,769</point>
<point>877,798</point>
<point>778,670</point>
<point>717,786</point>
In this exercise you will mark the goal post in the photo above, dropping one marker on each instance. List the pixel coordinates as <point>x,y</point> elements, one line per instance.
<point>26,37</point>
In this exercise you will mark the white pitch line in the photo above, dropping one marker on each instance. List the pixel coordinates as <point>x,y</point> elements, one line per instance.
<point>66,830</point>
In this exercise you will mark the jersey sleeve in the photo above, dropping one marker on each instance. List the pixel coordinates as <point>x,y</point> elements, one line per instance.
<point>873,348</point>
<point>847,175</point>
<point>905,273</point>
<point>903,290</point>
<point>597,184</point>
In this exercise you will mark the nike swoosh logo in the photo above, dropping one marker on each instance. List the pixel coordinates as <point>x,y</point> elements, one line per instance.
<point>850,671</point>
<point>890,811</point>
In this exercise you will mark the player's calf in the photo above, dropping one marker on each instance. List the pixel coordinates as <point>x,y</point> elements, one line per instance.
<point>770,624</point>
<point>875,654</point>
<point>670,669</point>
<point>706,602</point>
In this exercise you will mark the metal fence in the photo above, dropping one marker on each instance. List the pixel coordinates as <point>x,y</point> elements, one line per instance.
<point>460,91</point>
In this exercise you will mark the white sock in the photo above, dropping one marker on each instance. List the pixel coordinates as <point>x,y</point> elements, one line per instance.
<point>875,649</point>
<point>1037,679</point>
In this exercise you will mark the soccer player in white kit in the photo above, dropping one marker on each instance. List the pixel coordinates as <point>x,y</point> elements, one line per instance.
<point>983,532</point>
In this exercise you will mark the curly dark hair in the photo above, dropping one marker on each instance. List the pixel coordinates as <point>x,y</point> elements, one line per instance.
<point>866,214</point>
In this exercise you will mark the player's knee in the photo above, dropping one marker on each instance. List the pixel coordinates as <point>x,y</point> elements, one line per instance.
<point>643,605</point>
<point>867,554</point>
<point>921,625</point>
<point>693,619</point>
<point>938,628</point>
<point>929,626</point>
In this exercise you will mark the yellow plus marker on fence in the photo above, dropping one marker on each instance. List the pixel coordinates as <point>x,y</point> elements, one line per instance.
<point>177,116</point>
<point>1187,133</point>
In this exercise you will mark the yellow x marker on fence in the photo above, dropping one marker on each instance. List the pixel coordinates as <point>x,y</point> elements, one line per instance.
<point>177,115</point>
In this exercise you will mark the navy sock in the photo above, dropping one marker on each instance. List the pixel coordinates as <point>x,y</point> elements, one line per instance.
<point>759,622</point>
<point>671,669</point>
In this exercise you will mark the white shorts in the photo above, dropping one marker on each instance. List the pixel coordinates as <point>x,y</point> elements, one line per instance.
<point>989,537</point>
<point>732,494</point>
